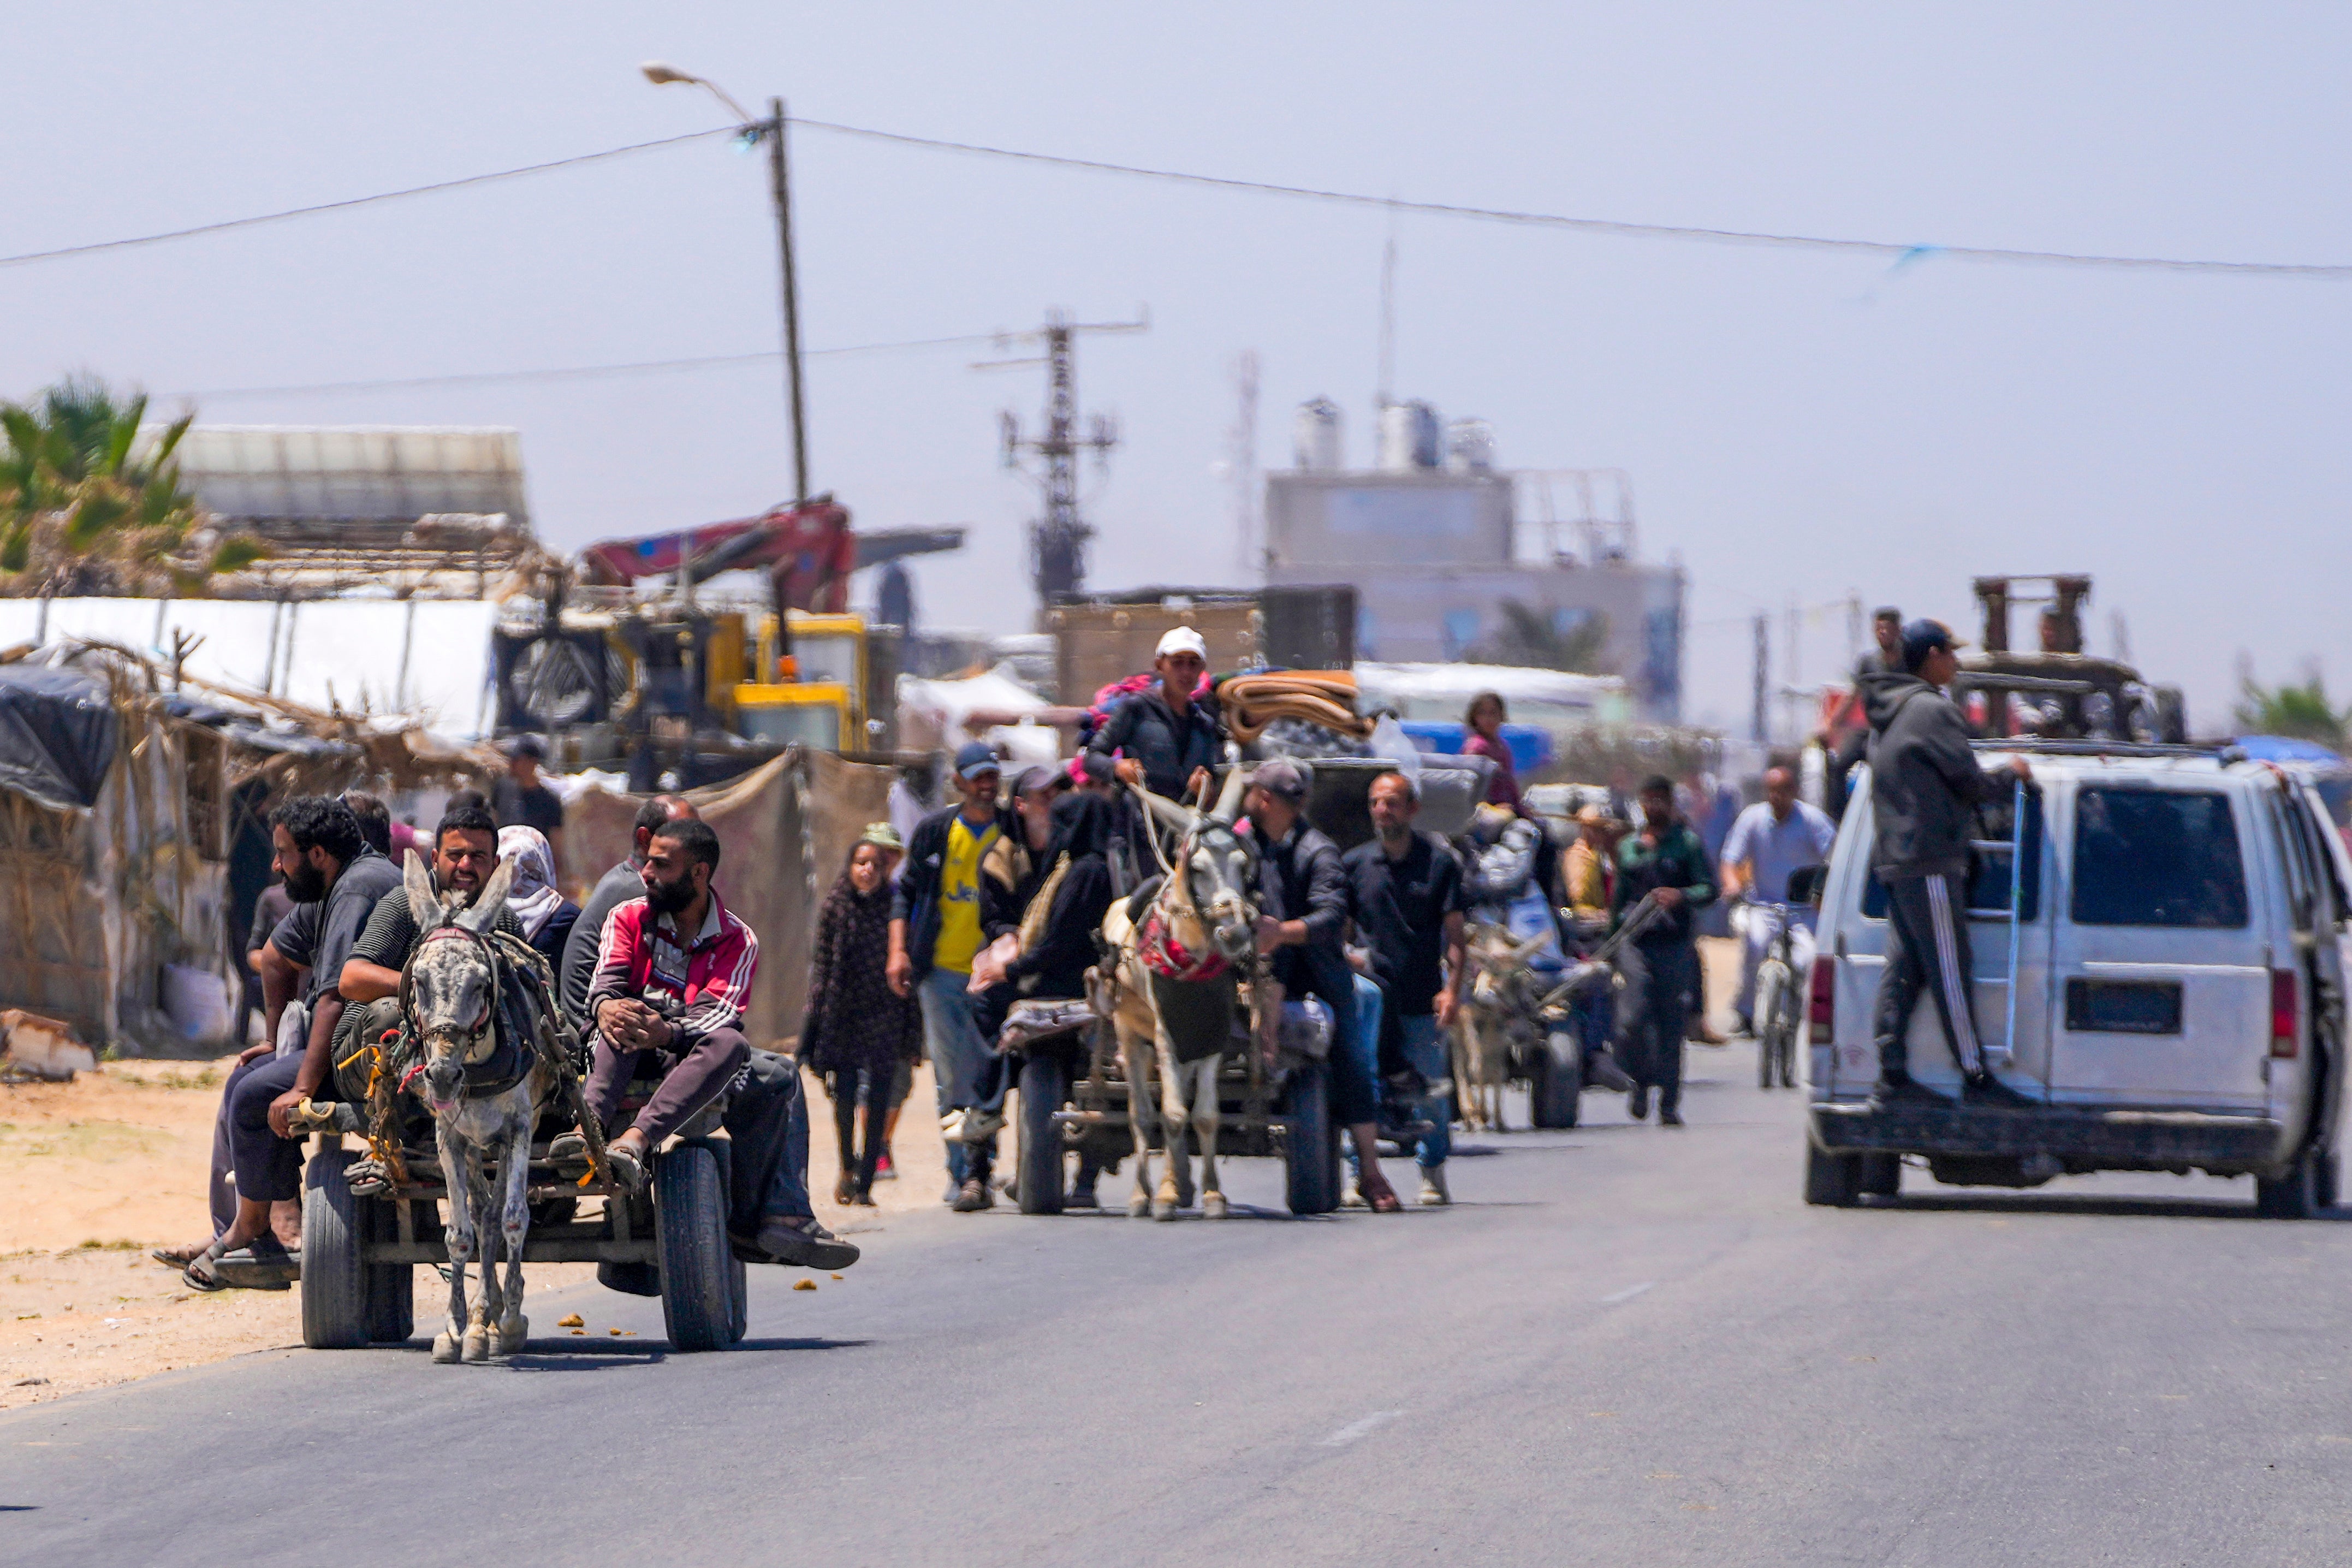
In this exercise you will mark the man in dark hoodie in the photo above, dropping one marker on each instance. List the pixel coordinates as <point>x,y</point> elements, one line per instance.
<point>1925,786</point>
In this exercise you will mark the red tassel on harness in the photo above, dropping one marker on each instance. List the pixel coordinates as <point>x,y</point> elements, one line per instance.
<point>1168,958</point>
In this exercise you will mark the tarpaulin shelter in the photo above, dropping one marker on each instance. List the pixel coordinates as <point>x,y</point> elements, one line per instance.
<point>785,831</point>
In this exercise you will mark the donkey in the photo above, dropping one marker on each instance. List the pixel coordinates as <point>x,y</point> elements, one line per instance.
<point>1172,986</point>
<point>484,1126</point>
<point>1500,1018</point>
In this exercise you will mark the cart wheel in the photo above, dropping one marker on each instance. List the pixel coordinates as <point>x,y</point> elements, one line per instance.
<point>1556,1080</point>
<point>391,1286</point>
<point>697,1287</point>
<point>739,1316</point>
<point>335,1286</point>
<point>1833,1181</point>
<point>1038,1157</point>
<point>1311,1143</point>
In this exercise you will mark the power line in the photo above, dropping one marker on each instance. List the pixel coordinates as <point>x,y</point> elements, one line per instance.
<point>1896,250</point>
<point>589,372</point>
<point>226,223</point>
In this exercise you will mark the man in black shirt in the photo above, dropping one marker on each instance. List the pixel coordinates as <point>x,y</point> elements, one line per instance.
<point>325,861</point>
<point>1301,924</point>
<point>1405,891</point>
<point>623,882</point>
<point>522,797</point>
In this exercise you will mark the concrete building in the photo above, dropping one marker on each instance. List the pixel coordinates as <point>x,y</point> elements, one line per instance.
<point>1465,561</point>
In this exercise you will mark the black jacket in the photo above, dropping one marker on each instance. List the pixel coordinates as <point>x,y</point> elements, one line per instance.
<point>1925,782</point>
<point>1302,879</point>
<point>917,901</point>
<point>578,969</point>
<point>1168,748</point>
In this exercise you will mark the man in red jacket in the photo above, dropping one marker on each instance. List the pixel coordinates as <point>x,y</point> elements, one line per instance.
<point>672,975</point>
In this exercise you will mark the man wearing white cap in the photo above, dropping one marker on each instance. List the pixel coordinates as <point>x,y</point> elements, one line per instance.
<point>1164,738</point>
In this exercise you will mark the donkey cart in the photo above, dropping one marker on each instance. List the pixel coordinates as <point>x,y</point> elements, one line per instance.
<point>1075,1099</point>
<point>669,1239</point>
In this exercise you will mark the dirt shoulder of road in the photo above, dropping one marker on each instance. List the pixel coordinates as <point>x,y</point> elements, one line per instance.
<point>101,1170</point>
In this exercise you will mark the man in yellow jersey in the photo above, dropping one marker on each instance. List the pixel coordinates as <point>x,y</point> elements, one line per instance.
<point>935,934</point>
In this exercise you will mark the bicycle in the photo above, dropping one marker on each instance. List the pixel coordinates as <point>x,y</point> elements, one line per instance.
<point>1780,1000</point>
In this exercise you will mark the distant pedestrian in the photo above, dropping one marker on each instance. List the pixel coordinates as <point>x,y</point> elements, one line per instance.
<point>859,1033</point>
<point>521,796</point>
<point>1665,862</point>
<point>936,932</point>
<point>1484,721</point>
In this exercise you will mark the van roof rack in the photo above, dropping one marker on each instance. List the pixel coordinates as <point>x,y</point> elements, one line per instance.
<point>2220,751</point>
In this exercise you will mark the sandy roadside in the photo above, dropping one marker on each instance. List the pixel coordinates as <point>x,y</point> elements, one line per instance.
<point>101,1170</point>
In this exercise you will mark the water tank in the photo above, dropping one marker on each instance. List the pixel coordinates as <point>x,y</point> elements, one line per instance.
<point>1409,437</point>
<point>1315,436</point>
<point>1470,447</point>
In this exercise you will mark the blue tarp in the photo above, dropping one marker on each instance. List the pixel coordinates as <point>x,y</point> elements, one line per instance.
<point>57,734</point>
<point>1531,745</point>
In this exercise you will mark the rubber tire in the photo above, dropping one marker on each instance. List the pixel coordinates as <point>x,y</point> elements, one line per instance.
<point>2294,1196</point>
<point>1881,1175</point>
<point>335,1286</point>
<point>1038,1167</point>
<point>739,1314</point>
<point>1556,1081</point>
<point>697,1266</point>
<point>1310,1145</point>
<point>391,1288</point>
<point>2330,1181</point>
<point>1832,1181</point>
<point>1768,1004</point>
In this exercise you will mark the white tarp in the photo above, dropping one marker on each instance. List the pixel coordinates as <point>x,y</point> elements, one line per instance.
<point>944,708</point>
<point>428,657</point>
<point>1552,698</point>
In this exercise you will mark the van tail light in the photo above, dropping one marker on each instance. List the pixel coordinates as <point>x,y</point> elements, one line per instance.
<point>1821,1000</point>
<point>2286,1010</point>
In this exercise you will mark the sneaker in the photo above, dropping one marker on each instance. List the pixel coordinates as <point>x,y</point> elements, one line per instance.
<point>974,1195</point>
<point>805,1244</point>
<point>1987,1090</point>
<point>1433,1187</point>
<point>1604,1072</point>
<point>1082,1198</point>
<point>1637,1102</point>
<point>1669,1118</point>
<point>1355,1198</point>
<point>1903,1089</point>
<point>882,1170</point>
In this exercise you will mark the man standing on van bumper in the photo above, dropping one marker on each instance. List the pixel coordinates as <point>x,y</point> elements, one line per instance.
<point>1925,786</point>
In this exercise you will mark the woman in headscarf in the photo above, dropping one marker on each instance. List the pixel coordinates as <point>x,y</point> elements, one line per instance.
<point>858,1030</point>
<point>547,916</point>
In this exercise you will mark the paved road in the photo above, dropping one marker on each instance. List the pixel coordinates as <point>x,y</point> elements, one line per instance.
<point>1624,1345</point>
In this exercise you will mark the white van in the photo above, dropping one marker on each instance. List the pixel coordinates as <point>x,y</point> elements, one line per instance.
<point>2181,999</point>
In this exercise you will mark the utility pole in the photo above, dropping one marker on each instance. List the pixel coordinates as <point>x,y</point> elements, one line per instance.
<point>1760,723</point>
<point>780,182</point>
<point>1058,541</point>
<point>1245,465</point>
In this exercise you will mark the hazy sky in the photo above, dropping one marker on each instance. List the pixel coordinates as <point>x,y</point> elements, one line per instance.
<point>1796,425</point>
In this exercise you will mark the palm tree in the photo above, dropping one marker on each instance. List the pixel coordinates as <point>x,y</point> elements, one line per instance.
<point>2301,712</point>
<point>86,507</point>
<point>1533,642</point>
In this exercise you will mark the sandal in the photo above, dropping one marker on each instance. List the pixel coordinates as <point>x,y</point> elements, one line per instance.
<point>626,1167</point>
<point>180,1257</point>
<point>265,1265</point>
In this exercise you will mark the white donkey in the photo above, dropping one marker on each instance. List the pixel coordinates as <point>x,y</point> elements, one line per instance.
<point>1172,993</point>
<point>484,1129</point>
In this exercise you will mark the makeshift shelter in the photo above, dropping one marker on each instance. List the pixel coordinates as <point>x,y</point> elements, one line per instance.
<point>129,811</point>
<point>785,831</point>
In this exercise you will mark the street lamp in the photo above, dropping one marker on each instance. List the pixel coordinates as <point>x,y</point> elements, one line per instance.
<point>662,74</point>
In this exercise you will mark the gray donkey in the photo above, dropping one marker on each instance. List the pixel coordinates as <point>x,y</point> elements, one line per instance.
<point>484,1127</point>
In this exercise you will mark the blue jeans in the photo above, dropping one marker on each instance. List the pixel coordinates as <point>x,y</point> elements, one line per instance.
<point>968,1074</point>
<point>1355,1050</point>
<point>1425,1049</point>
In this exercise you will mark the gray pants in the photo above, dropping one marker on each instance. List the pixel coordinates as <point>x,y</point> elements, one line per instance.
<point>1926,950</point>
<point>293,1035</point>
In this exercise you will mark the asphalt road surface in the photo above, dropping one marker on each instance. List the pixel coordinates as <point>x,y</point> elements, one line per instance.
<point>1624,1344</point>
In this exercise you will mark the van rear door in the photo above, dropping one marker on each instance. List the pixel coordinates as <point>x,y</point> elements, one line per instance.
<point>2161,962</point>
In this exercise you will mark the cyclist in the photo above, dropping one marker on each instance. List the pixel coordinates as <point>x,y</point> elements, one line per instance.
<point>1777,835</point>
